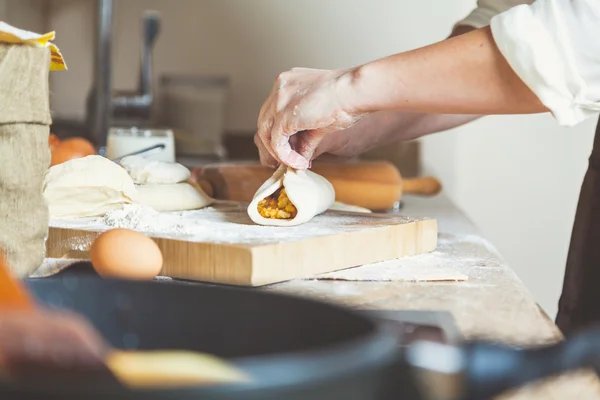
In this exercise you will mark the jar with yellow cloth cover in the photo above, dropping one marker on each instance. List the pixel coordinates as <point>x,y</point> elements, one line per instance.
<point>25,61</point>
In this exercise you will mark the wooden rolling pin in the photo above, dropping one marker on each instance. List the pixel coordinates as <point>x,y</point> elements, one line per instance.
<point>375,185</point>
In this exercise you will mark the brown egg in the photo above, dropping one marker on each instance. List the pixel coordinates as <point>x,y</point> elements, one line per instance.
<point>71,148</point>
<point>126,254</point>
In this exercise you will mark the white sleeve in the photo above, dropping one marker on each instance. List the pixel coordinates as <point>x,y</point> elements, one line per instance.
<point>488,9</point>
<point>554,47</point>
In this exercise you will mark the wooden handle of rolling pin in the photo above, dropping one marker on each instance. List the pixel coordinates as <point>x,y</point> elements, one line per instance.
<point>426,186</point>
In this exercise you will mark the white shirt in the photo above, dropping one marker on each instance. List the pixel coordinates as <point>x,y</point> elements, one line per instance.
<point>553,46</point>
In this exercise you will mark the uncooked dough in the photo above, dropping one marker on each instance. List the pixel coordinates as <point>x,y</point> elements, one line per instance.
<point>310,193</point>
<point>144,171</point>
<point>338,206</point>
<point>87,187</point>
<point>93,185</point>
<point>396,271</point>
<point>173,197</point>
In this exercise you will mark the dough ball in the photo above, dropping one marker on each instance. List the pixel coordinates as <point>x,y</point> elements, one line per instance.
<point>144,171</point>
<point>174,197</point>
<point>87,187</point>
<point>123,253</point>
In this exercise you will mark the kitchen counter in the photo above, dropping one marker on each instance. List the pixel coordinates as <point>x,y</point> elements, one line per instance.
<point>493,303</point>
<point>482,305</point>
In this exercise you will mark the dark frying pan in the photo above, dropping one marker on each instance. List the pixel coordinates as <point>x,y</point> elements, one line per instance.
<point>293,348</point>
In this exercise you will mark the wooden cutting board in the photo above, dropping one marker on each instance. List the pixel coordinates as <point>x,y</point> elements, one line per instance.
<point>220,244</point>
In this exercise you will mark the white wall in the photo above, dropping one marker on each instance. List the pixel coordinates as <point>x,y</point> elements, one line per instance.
<point>250,40</point>
<point>516,177</point>
<point>25,14</point>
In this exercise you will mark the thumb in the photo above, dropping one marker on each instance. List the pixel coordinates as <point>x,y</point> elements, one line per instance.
<point>308,142</point>
<point>282,147</point>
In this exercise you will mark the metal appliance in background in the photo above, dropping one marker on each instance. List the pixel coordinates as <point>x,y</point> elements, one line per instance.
<point>191,115</point>
<point>194,106</point>
<point>127,141</point>
<point>106,107</point>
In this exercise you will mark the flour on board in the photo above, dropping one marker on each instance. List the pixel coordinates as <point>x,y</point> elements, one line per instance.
<point>227,223</point>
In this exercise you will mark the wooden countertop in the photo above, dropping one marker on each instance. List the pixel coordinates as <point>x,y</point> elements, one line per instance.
<point>492,304</point>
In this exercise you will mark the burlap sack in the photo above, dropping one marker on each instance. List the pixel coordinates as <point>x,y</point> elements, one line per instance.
<point>24,155</point>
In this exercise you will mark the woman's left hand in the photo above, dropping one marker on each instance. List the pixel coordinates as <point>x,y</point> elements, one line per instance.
<point>304,106</point>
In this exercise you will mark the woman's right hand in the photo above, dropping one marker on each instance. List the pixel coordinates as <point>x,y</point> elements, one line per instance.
<point>303,107</point>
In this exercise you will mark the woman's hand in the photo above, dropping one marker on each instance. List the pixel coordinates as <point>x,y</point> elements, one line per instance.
<point>304,106</point>
<point>465,75</point>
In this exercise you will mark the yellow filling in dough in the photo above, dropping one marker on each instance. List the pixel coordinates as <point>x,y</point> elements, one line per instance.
<point>277,206</point>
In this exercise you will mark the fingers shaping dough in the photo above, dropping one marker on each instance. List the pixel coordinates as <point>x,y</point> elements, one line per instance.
<point>175,197</point>
<point>87,187</point>
<point>291,197</point>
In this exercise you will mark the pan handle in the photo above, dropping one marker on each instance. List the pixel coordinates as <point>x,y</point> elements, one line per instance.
<point>481,370</point>
<point>493,369</point>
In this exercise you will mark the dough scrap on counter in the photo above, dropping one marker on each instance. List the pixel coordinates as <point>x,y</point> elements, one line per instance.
<point>173,197</point>
<point>144,171</point>
<point>339,206</point>
<point>87,187</point>
<point>396,271</point>
<point>291,197</point>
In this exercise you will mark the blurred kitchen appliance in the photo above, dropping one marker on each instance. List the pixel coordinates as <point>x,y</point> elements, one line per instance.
<point>194,106</point>
<point>123,141</point>
<point>104,107</point>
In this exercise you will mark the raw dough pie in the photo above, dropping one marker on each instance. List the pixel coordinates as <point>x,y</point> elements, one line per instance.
<point>87,187</point>
<point>291,197</point>
<point>93,185</point>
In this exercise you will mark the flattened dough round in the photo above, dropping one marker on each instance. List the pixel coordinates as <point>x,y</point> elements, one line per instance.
<point>173,197</point>
<point>144,171</point>
<point>310,193</point>
<point>87,187</point>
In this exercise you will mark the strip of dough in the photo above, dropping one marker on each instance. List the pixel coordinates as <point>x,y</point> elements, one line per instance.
<point>396,271</point>
<point>338,206</point>
<point>310,193</point>
<point>174,197</point>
